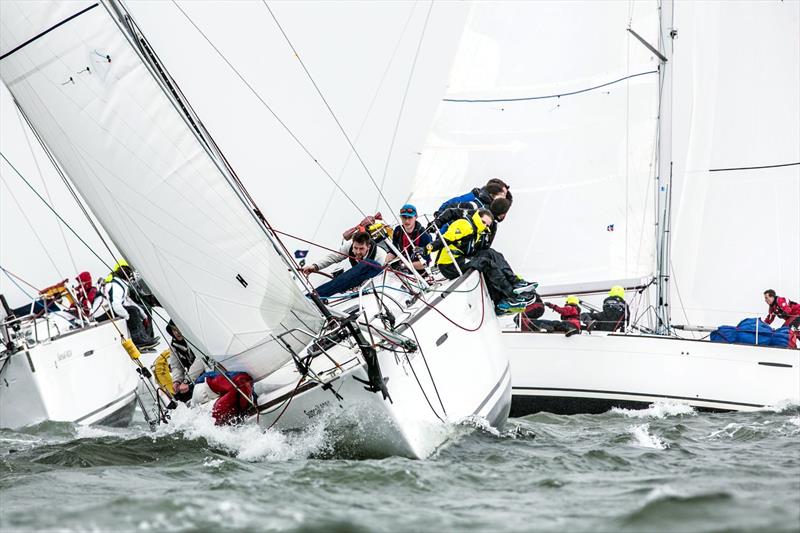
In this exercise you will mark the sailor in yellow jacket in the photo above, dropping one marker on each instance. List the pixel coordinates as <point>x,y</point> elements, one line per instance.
<point>465,244</point>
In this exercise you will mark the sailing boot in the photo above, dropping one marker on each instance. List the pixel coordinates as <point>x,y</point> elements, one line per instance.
<point>522,286</point>
<point>514,304</point>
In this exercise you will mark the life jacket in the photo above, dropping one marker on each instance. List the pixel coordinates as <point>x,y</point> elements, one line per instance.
<point>108,286</point>
<point>462,238</point>
<point>413,242</point>
<point>373,249</point>
<point>471,196</point>
<point>183,353</point>
<point>781,305</point>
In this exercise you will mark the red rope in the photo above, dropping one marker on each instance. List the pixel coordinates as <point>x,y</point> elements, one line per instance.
<point>288,401</point>
<point>399,274</point>
<point>22,280</point>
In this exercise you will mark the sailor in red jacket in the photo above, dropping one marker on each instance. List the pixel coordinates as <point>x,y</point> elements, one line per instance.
<point>783,308</point>
<point>570,317</point>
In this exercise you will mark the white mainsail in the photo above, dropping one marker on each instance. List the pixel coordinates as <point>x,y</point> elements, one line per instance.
<point>581,166</point>
<point>150,181</point>
<point>736,106</point>
<point>382,67</point>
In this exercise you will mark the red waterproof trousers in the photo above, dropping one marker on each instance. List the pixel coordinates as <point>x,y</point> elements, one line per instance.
<point>231,404</point>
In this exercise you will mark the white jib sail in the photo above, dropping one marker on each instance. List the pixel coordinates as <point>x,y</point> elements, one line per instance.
<point>580,166</point>
<point>148,179</point>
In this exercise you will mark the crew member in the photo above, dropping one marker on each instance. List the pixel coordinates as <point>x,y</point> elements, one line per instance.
<point>411,240</point>
<point>783,308</point>
<point>480,197</point>
<point>366,260</point>
<point>528,320</point>
<point>499,209</point>
<point>615,313</point>
<point>465,240</point>
<point>118,296</point>
<point>184,365</point>
<point>236,399</point>
<point>570,321</point>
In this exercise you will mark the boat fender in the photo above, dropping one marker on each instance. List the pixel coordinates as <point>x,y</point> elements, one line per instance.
<point>134,354</point>
<point>131,348</point>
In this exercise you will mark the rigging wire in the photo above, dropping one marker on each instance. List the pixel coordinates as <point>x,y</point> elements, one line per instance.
<point>528,98</point>
<point>33,229</point>
<point>403,102</point>
<point>69,187</point>
<point>267,106</point>
<point>327,105</point>
<point>14,281</point>
<point>54,211</point>
<point>367,114</point>
<point>11,276</point>
<point>678,291</point>
<point>44,183</point>
<point>425,360</point>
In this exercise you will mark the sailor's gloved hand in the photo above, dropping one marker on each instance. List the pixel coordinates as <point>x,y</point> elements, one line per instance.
<point>548,304</point>
<point>419,251</point>
<point>309,269</point>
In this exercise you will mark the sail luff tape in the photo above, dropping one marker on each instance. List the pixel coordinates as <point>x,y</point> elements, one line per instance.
<point>131,348</point>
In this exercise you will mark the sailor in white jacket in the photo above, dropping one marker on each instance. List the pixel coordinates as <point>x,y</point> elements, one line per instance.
<point>117,293</point>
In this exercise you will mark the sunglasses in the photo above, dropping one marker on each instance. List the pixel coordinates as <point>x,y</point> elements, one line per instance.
<point>409,212</point>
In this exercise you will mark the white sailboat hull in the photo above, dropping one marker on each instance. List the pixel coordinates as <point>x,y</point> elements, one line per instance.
<point>452,376</point>
<point>593,373</point>
<point>84,377</point>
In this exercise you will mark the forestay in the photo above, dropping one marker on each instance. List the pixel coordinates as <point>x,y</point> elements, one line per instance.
<point>150,181</point>
<point>736,106</point>
<point>580,166</point>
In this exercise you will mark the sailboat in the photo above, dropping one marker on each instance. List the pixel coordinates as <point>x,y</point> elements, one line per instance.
<point>402,357</point>
<point>648,146</point>
<point>55,365</point>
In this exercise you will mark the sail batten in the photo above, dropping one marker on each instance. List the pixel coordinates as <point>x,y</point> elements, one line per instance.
<point>155,184</point>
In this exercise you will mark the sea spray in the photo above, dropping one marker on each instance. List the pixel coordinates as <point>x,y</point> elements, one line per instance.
<point>644,439</point>
<point>656,410</point>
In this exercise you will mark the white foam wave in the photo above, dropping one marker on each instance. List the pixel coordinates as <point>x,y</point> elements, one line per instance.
<point>728,431</point>
<point>479,423</point>
<point>213,462</point>
<point>657,410</point>
<point>660,493</point>
<point>248,442</point>
<point>95,432</point>
<point>643,438</point>
<point>782,407</point>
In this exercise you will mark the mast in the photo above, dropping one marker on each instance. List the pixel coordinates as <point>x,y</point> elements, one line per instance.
<point>664,179</point>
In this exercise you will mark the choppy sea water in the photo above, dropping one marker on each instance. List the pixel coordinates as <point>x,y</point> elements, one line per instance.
<point>666,468</point>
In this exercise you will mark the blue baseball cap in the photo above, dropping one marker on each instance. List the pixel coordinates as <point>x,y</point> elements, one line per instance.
<point>408,210</point>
